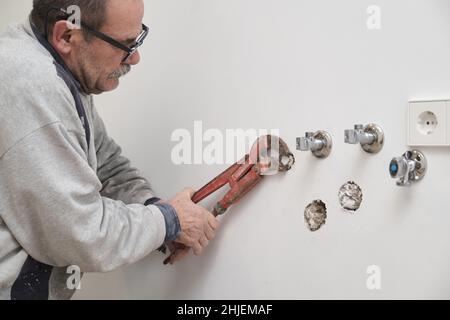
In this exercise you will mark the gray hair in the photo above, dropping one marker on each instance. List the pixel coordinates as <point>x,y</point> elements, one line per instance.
<point>93,13</point>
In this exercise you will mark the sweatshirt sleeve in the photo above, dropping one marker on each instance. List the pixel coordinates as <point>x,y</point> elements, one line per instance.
<point>120,181</point>
<point>53,206</point>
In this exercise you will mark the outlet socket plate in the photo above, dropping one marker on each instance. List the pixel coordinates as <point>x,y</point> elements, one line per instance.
<point>428,122</point>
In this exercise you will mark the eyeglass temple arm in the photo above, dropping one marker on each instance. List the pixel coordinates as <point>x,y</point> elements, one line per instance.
<point>105,38</point>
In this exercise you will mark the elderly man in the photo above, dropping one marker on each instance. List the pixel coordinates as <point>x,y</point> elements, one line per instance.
<point>67,195</point>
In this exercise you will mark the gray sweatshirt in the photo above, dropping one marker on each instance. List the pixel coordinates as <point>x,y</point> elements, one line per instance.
<point>67,195</point>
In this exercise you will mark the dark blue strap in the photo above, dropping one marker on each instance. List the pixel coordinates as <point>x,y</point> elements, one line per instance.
<point>152,201</point>
<point>67,76</point>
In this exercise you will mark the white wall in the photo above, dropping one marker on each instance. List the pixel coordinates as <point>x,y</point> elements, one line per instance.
<point>296,66</point>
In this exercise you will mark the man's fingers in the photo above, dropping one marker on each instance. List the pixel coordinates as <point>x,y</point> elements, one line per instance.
<point>213,222</point>
<point>204,241</point>
<point>210,232</point>
<point>186,240</point>
<point>198,248</point>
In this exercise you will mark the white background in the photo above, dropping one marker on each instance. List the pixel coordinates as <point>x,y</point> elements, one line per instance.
<point>295,66</point>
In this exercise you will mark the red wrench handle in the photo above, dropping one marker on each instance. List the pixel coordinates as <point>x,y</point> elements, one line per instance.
<point>215,184</point>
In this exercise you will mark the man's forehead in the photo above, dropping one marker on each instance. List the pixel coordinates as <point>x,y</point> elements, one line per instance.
<point>124,18</point>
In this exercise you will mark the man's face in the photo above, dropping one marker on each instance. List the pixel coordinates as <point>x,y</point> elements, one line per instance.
<point>97,64</point>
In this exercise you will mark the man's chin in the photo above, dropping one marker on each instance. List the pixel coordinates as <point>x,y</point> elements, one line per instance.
<point>109,85</point>
<point>113,84</point>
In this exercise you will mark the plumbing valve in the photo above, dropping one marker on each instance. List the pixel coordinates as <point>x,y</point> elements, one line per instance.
<point>371,137</point>
<point>320,143</point>
<point>408,168</point>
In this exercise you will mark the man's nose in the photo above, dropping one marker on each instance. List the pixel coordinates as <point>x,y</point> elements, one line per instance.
<point>134,58</point>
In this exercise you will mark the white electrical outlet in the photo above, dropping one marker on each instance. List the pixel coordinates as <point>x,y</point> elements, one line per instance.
<point>427,123</point>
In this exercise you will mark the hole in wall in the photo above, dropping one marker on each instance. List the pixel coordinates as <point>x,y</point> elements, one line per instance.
<point>350,197</point>
<point>315,215</point>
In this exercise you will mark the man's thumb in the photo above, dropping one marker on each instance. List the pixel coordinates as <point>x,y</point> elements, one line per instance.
<point>189,192</point>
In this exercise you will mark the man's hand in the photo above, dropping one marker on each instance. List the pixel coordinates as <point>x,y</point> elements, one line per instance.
<point>198,225</point>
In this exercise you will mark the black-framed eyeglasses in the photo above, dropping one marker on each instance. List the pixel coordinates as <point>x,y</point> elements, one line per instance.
<point>129,50</point>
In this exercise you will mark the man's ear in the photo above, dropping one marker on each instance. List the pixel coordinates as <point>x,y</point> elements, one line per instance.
<point>62,37</point>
